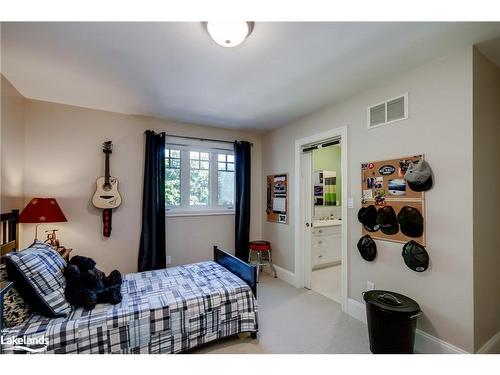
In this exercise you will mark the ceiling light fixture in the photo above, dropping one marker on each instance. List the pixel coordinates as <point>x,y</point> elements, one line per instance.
<point>229,34</point>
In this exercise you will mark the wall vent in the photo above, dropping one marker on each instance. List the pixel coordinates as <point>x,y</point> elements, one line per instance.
<point>387,112</point>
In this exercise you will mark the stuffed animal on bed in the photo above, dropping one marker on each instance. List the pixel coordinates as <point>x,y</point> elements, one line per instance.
<point>87,286</point>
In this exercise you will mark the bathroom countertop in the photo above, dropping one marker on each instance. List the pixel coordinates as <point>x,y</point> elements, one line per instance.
<point>326,223</point>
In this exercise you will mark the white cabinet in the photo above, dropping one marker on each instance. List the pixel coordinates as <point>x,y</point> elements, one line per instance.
<point>326,245</point>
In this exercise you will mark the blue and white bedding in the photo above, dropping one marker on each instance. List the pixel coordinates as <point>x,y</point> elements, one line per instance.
<point>162,311</point>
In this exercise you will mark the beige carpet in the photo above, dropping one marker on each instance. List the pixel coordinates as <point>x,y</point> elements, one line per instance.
<point>296,321</point>
<point>326,281</point>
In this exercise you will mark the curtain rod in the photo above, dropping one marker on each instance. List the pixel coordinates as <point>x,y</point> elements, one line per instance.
<point>203,139</point>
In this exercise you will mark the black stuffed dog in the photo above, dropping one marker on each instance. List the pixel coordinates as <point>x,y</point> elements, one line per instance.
<point>86,285</point>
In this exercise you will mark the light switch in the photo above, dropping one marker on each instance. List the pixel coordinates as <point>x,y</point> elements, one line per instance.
<point>350,203</point>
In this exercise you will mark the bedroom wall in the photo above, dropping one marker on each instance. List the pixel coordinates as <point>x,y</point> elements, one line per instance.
<point>440,126</point>
<point>486,147</point>
<point>12,112</point>
<point>63,159</point>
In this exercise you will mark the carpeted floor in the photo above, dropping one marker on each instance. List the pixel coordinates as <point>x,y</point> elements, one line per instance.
<point>296,321</point>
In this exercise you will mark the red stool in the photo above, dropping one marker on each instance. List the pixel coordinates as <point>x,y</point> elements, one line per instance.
<point>260,255</point>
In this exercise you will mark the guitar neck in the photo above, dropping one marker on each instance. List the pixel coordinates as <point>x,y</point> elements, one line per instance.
<point>106,170</point>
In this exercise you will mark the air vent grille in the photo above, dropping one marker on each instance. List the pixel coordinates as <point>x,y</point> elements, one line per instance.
<point>390,111</point>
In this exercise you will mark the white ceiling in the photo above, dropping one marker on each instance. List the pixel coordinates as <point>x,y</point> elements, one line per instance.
<point>174,70</point>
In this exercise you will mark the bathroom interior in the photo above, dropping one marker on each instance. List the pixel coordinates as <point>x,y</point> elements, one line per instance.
<point>327,230</point>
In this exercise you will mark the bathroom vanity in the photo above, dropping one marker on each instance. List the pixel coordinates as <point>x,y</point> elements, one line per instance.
<point>326,243</point>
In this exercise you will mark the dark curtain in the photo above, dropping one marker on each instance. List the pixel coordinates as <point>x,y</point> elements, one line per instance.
<point>153,238</point>
<point>242,204</point>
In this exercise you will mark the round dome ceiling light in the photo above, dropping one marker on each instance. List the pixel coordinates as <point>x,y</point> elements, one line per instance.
<point>229,34</point>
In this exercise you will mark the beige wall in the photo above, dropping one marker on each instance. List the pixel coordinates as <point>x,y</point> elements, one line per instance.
<point>486,146</point>
<point>440,126</point>
<point>63,158</point>
<point>11,146</point>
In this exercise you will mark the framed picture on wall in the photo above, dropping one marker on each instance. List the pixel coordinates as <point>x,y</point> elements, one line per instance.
<point>277,198</point>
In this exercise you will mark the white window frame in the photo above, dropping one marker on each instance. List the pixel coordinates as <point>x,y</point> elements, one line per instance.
<point>185,209</point>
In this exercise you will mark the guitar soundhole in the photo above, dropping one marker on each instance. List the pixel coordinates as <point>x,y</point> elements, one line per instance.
<point>106,187</point>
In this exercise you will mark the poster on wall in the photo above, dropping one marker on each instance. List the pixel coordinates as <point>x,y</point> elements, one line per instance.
<point>277,198</point>
<point>383,184</point>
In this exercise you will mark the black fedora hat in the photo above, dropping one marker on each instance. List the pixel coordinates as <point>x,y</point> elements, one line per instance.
<point>411,221</point>
<point>415,256</point>
<point>386,218</point>
<point>367,248</point>
<point>367,216</point>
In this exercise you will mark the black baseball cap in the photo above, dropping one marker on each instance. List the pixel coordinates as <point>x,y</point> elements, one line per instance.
<point>386,218</point>
<point>415,256</point>
<point>419,176</point>
<point>367,248</point>
<point>367,216</point>
<point>411,221</point>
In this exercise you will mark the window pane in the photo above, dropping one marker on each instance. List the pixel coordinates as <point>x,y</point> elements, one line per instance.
<point>230,158</point>
<point>175,154</point>
<point>222,157</point>
<point>175,163</point>
<point>205,156</point>
<point>194,155</point>
<point>230,166</point>
<point>198,188</point>
<point>195,164</point>
<point>172,187</point>
<point>221,166</point>
<point>225,196</point>
<point>205,165</point>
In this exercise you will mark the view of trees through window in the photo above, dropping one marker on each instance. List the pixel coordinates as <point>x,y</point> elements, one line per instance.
<point>172,177</point>
<point>199,178</point>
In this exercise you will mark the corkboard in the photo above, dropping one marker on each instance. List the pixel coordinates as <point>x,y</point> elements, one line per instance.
<point>277,198</point>
<point>386,178</point>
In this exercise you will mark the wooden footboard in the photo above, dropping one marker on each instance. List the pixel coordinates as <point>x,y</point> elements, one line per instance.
<point>246,272</point>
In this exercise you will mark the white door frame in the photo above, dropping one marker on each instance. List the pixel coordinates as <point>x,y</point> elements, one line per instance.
<point>299,214</point>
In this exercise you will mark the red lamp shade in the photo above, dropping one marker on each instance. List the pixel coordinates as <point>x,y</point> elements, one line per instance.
<point>42,210</point>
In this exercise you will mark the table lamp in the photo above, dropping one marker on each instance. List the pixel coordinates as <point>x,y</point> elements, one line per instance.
<point>42,210</point>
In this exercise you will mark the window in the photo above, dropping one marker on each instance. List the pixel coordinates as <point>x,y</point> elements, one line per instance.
<point>198,179</point>
<point>172,177</point>
<point>225,179</point>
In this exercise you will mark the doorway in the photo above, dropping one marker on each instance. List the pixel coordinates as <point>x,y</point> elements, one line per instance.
<point>321,231</point>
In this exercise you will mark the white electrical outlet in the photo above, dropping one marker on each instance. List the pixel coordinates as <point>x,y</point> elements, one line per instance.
<point>350,203</point>
<point>169,259</point>
<point>370,285</point>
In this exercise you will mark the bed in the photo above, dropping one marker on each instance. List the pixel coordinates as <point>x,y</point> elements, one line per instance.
<point>163,311</point>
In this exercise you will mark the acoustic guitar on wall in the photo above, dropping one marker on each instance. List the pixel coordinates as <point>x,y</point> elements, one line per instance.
<point>107,195</point>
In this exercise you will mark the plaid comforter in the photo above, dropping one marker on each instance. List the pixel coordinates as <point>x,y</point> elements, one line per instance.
<point>163,311</point>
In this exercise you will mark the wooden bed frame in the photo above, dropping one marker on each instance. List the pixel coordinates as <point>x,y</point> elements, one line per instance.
<point>246,272</point>
<point>9,232</point>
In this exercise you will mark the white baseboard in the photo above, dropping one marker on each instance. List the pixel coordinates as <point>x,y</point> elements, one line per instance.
<point>285,275</point>
<point>356,310</point>
<point>424,343</point>
<point>492,346</point>
<point>428,344</point>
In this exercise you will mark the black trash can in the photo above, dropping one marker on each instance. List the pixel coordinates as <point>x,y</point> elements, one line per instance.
<point>392,321</point>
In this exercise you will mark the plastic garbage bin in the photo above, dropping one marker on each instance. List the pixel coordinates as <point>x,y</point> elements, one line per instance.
<point>392,320</point>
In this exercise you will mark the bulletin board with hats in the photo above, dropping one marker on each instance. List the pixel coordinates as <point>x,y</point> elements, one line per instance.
<point>393,199</point>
